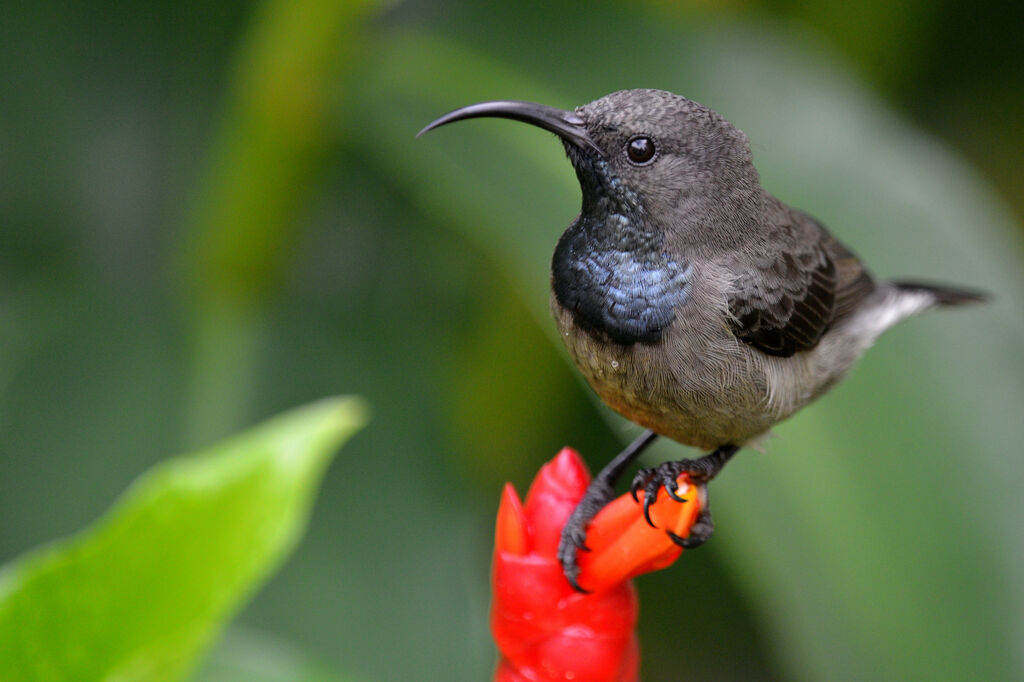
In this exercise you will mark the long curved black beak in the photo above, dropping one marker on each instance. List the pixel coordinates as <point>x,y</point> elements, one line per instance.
<point>565,124</point>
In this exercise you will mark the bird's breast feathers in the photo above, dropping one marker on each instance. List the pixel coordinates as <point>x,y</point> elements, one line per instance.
<point>626,295</point>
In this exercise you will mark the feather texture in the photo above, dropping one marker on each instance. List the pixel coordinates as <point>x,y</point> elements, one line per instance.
<point>785,299</point>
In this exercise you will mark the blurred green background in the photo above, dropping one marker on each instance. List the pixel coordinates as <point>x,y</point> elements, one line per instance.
<point>215,212</point>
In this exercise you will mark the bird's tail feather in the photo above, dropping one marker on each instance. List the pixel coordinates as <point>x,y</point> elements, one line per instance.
<point>892,302</point>
<point>942,295</point>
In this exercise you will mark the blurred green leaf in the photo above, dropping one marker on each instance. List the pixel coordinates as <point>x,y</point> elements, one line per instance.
<point>843,539</point>
<point>142,592</point>
<point>265,164</point>
<point>244,655</point>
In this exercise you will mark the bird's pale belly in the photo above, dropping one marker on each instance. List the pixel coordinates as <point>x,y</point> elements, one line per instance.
<point>693,396</point>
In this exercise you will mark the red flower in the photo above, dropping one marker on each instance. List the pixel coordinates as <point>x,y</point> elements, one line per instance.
<point>544,629</point>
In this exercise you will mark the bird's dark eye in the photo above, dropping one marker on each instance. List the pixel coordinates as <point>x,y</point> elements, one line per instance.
<point>640,149</point>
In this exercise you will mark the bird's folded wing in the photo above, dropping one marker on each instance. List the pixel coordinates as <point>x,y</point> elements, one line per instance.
<point>785,300</point>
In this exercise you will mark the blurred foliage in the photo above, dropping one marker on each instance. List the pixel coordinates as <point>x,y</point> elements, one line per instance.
<point>246,656</point>
<point>263,169</point>
<point>140,594</point>
<point>213,213</point>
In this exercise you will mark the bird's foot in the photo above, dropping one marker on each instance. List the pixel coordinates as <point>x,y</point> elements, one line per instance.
<point>574,532</point>
<point>599,493</point>
<point>652,480</point>
<point>700,471</point>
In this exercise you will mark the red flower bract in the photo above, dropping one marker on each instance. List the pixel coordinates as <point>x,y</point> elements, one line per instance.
<point>544,629</point>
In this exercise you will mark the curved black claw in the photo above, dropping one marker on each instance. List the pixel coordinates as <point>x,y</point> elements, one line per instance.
<point>650,497</point>
<point>700,531</point>
<point>572,581</point>
<point>572,573</point>
<point>652,480</point>
<point>673,491</point>
<point>640,481</point>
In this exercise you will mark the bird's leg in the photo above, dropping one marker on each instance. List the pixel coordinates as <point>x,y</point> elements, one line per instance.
<point>599,493</point>
<point>700,471</point>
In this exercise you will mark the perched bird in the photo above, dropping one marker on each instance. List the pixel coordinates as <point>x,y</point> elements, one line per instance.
<point>694,302</point>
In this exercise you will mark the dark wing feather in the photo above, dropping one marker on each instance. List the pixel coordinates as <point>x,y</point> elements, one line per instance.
<point>784,301</point>
<point>853,281</point>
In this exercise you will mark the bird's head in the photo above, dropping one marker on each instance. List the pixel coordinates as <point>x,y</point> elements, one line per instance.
<point>649,155</point>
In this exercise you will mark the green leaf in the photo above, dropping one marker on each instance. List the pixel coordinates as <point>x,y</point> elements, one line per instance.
<point>142,592</point>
